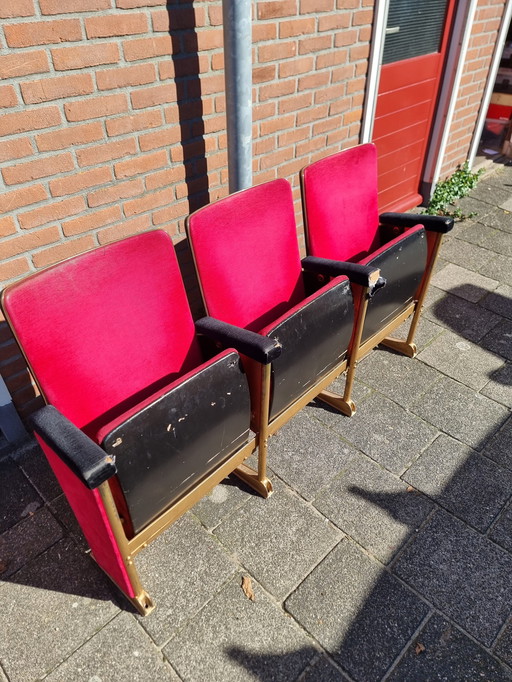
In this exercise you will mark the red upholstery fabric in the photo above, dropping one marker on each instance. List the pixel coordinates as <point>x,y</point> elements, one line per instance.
<point>101,327</point>
<point>90,513</point>
<point>387,245</point>
<point>340,203</point>
<point>246,251</point>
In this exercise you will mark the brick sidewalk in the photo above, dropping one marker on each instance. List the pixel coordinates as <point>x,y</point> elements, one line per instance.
<point>385,552</point>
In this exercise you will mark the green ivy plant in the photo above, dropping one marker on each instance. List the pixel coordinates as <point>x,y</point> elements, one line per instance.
<point>448,191</point>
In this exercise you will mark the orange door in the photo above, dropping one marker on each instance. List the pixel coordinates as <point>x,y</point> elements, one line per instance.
<point>417,36</point>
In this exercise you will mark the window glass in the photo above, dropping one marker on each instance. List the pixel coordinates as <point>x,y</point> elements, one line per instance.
<point>414,28</point>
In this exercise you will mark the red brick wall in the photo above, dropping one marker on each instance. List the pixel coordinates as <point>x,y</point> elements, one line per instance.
<point>473,82</point>
<point>113,120</point>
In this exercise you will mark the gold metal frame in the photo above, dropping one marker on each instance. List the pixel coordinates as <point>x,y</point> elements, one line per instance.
<point>129,549</point>
<point>407,346</point>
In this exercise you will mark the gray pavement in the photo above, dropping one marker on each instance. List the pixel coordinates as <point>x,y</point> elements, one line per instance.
<point>385,552</point>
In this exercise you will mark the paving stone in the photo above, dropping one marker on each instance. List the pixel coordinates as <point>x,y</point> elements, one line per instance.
<point>322,671</point>
<point>18,498</point>
<point>229,495</point>
<point>463,282</point>
<point>502,172</point>
<point>489,193</point>
<point>460,412</point>
<point>448,655</point>
<point>24,448</point>
<point>303,467</point>
<point>470,486</point>
<point>477,233</point>
<point>465,254</point>
<point>461,360</point>
<point>181,570</point>
<point>471,204</point>
<point>433,295</point>
<point>373,507</point>
<point>499,448</point>
<point>65,516</point>
<point>459,226</point>
<point>52,605</point>
<point>120,651</point>
<point>384,431</point>
<point>398,377</point>
<point>425,332</point>
<point>467,319</point>
<point>279,540</point>
<point>500,386</point>
<point>463,574</point>
<point>36,467</point>
<point>359,613</point>
<point>501,532</point>
<point>26,540</point>
<point>500,217</point>
<point>501,242</point>
<point>234,639</point>
<point>440,261</point>
<point>499,339</point>
<point>499,267</point>
<point>499,301</point>
<point>503,647</point>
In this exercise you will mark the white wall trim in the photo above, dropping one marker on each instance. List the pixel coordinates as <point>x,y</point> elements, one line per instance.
<point>463,25</point>
<point>500,43</point>
<point>374,63</point>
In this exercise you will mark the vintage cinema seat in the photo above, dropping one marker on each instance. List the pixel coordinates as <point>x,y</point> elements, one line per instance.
<point>342,222</point>
<point>139,424</point>
<point>247,258</point>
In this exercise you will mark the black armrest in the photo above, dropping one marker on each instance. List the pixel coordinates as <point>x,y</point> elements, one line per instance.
<point>83,456</point>
<point>255,346</point>
<point>433,223</point>
<point>365,275</point>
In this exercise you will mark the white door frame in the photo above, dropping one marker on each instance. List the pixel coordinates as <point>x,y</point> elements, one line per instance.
<point>380,19</point>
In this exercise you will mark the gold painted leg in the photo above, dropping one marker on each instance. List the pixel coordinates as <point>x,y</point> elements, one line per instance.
<point>143,603</point>
<point>407,348</point>
<point>258,480</point>
<point>345,406</point>
<point>263,486</point>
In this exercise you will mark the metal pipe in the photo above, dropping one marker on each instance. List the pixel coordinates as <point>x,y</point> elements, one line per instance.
<point>236,16</point>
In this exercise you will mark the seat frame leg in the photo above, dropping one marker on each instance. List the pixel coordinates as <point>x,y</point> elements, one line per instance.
<point>258,479</point>
<point>408,347</point>
<point>345,404</point>
<point>141,599</point>
<point>404,346</point>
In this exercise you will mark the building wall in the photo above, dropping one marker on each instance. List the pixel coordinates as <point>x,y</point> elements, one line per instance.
<point>113,120</point>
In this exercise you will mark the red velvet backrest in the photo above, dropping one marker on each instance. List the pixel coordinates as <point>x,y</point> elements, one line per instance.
<point>340,204</point>
<point>247,255</point>
<point>103,326</point>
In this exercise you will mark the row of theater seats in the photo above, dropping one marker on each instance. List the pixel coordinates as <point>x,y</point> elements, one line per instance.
<point>147,410</point>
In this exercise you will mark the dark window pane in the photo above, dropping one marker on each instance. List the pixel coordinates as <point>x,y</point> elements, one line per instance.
<point>414,28</point>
